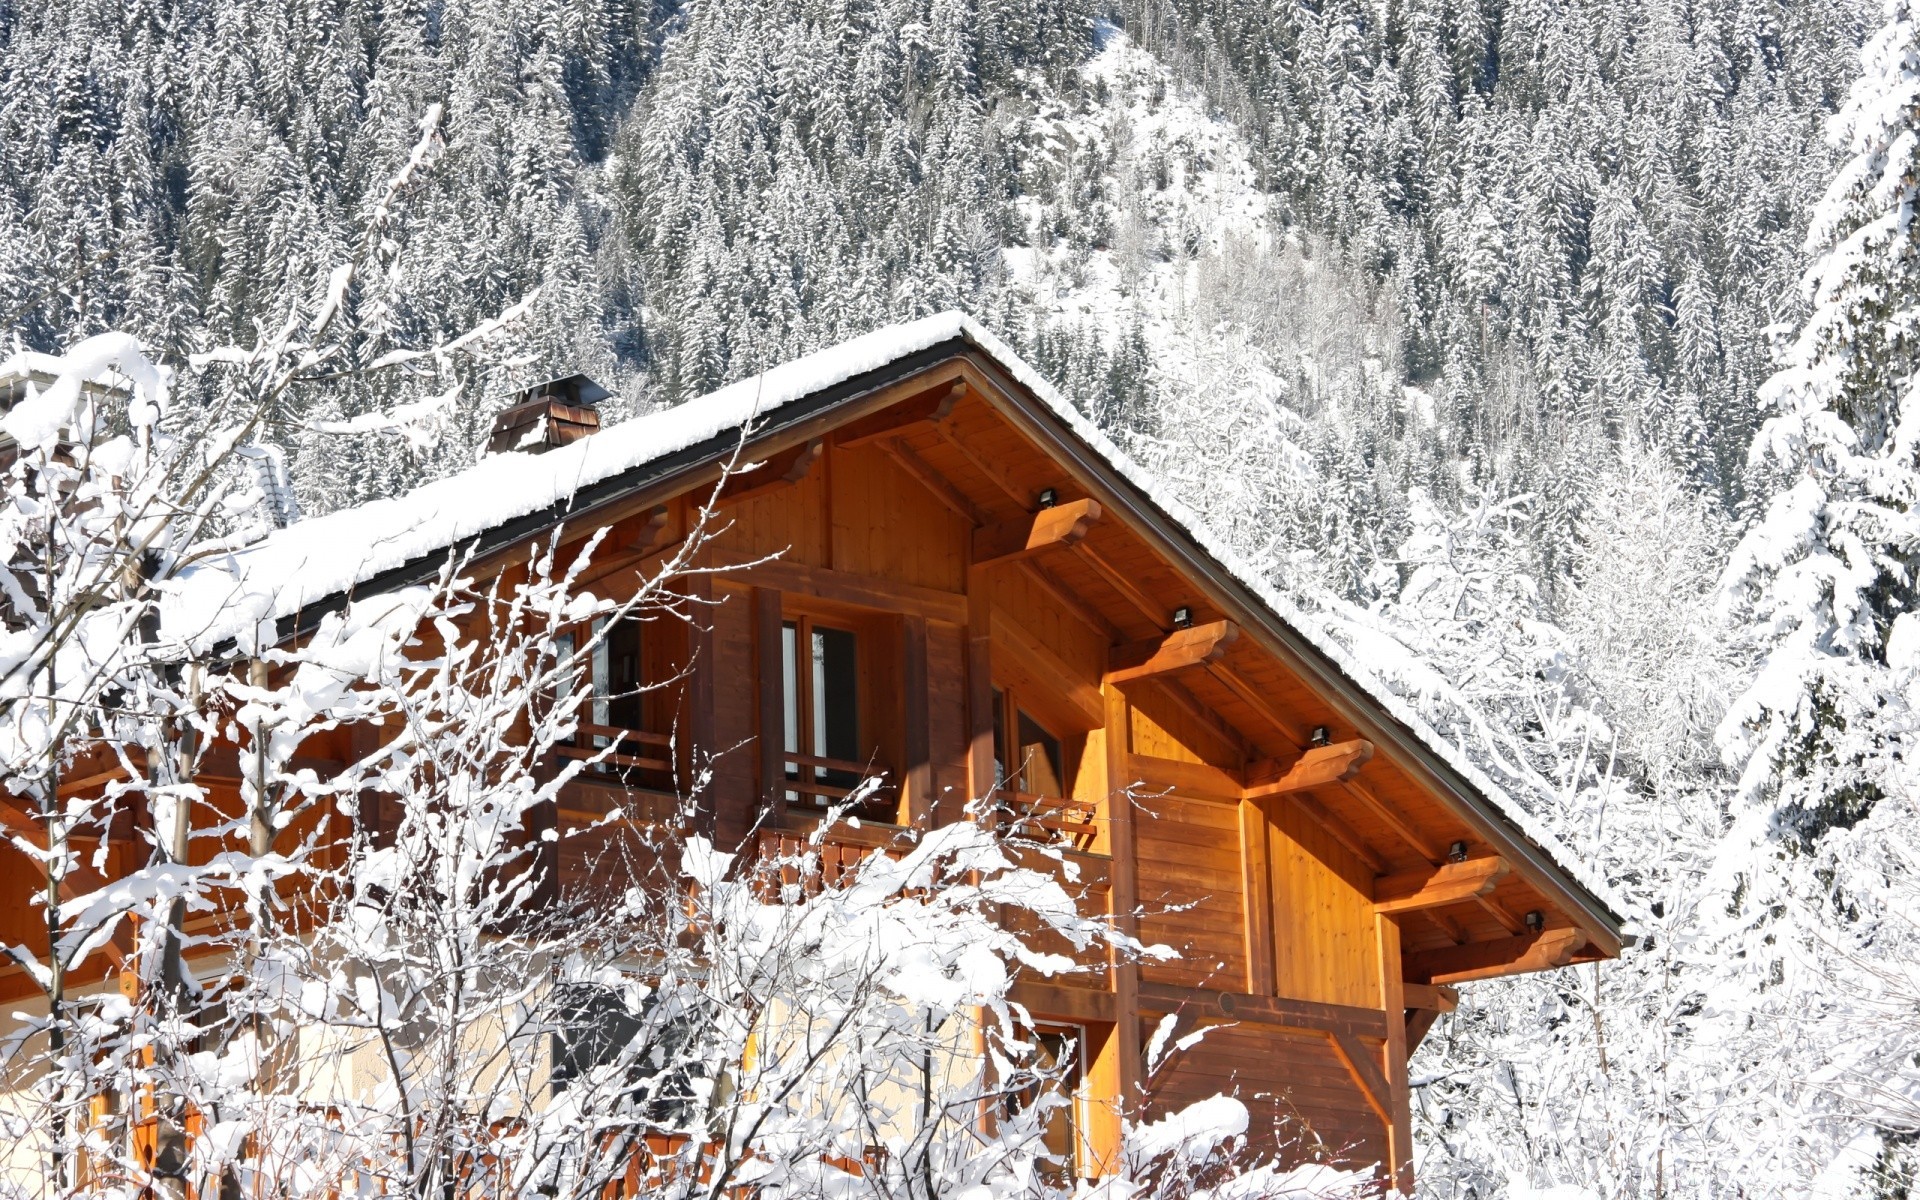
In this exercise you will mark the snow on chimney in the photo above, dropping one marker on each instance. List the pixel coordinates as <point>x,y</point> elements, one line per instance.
<point>547,415</point>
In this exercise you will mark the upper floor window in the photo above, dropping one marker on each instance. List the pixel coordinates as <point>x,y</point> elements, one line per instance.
<point>611,659</point>
<point>827,751</point>
<point>1035,768</point>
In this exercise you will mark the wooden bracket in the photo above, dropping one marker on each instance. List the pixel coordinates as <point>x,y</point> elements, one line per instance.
<point>890,422</point>
<point>1419,1024</point>
<point>652,526</point>
<point>1502,956</point>
<point>781,470</point>
<point>1366,1072</point>
<point>1450,883</point>
<point>1431,997</point>
<point>1179,650</point>
<point>1059,526</point>
<point>1322,764</point>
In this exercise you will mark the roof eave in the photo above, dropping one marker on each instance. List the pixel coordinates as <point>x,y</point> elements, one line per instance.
<point>1306,659</point>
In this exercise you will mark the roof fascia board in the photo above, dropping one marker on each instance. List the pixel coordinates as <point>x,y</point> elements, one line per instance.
<point>1300,655</point>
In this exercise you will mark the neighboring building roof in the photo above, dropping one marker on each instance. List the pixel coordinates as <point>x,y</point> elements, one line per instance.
<point>250,596</point>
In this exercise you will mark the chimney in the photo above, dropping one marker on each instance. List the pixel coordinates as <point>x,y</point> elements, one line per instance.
<point>547,415</point>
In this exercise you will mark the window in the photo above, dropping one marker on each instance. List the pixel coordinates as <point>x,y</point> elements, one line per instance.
<point>1038,764</point>
<point>614,669</point>
<point>1056,1069</point>
<point>820,686</point>
<point>595,1028</point>
<point>1035,769</point>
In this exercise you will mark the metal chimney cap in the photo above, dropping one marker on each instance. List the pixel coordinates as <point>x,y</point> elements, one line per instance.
<point>577,390</point>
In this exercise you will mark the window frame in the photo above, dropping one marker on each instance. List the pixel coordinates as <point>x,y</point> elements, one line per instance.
<point>874,726</point>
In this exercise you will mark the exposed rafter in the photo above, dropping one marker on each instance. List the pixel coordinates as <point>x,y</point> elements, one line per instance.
<point>782,470</point>
<point>903,417</point>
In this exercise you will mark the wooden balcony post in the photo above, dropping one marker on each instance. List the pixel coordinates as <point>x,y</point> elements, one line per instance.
<point>1394,1054</point>
<point>980,780</point>
<point>772,705</point>
<point>917,771</point>
<point>1119,1072</point>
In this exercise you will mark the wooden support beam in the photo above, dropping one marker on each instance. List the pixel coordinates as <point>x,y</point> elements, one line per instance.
<point>1178,651</point>
<point>1366,1072</point>
<point>1431,996</point>
<point>1319,765</point>
<point>941,487</point>
<point>1251,697</point>
<point>1051,528</point>
<point>1502,956</point>
<point>1311,1015</point>
<point>702,698</point>
<point>1071,603</point>
<point>1455,932</point>
<point>980,770</point>
<point>1340,830</point>
<point>934,406</point>
<point>1393,1055</point>
<point>1450,883</point>
<point>843,587</point>
<point>1419,1022</point>
<point>1053,1001</point>
<point>781,470</point>
<point>1156,614</point>
<point>1498,911</point>
<point>1124,900</point>
<point>1256,892</point>
<point>1421,844</point>
<point>1033,657</point>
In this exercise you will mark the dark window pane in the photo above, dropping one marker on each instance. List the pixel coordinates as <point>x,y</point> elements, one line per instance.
<point>1040,762</point>
<point>836,695</point>
<point>623,677</point>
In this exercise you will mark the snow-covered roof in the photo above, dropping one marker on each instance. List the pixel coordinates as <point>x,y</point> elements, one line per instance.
<point>242,596</point>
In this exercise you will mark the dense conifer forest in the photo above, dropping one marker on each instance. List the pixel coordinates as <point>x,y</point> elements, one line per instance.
<point>1552,353</point>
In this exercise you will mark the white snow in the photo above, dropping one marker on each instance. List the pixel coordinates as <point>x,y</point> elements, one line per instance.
<point>237,595</point>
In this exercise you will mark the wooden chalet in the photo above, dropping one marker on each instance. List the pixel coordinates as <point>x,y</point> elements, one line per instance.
<point>975,593</point>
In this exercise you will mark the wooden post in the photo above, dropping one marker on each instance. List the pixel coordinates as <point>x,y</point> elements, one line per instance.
<point>980,781</point>
<point>702,725</point>
<point>1125,899</point>
<point>770,680</point>
<point>919,727</point>
<point>1257,885</point>
<point>1394,1054</point>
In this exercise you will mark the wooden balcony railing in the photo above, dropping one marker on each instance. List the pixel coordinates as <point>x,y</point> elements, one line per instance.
<point>1055,820</point>
<point>821,782</point>
<point>595,739</point>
